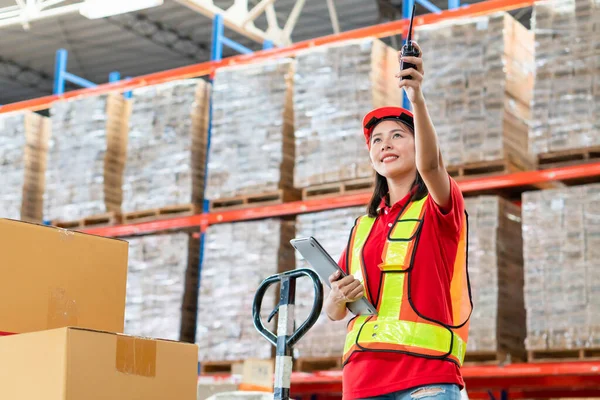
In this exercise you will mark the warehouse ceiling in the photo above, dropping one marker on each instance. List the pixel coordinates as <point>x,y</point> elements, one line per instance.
<point>152,40</point>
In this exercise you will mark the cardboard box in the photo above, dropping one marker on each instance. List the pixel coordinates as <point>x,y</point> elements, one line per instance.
<point>77,364</point>
<point>52,278</point>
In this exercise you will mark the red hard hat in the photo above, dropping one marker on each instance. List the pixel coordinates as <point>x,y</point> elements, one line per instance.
<point>377,115</point>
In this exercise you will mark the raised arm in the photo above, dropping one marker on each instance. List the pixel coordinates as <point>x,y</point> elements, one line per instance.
<point>428,156</point>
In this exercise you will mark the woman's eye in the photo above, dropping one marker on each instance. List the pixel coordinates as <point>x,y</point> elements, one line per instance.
<point>397,135</point>
<point>376,140</point>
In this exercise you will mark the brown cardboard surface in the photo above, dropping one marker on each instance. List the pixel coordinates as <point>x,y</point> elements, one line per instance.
<point>32,366</point>
<point>81,364</point>
<point>53,278</point>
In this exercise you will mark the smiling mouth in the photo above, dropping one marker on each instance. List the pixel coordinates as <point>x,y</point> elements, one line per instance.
<point>389,159</point>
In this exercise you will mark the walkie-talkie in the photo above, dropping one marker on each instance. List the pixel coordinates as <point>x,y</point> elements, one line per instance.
<point>408,50</point>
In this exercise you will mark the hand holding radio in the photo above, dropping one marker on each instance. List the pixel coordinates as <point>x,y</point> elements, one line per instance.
<point>411,67</point>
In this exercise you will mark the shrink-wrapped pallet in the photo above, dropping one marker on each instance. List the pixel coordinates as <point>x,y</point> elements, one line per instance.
<point>23,150</point>
<point>479,107</point>
<point>252,133</point>
<point>237,258</point>
<point>85,158</point>
<point>332,230</point>
<point>334,87</point>
<point>495,259</point>
<point>566,96</point>
<point>561,238</point>
<point>156,281</point>
<point>166,146</point>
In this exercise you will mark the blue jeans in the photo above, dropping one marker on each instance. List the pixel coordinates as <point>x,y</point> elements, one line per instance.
<point>427,392</point>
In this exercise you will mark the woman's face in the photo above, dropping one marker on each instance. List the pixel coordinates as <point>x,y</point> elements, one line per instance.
<point>392,149</point>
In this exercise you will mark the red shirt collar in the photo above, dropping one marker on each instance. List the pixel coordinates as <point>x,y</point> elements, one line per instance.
<point>385,207</point>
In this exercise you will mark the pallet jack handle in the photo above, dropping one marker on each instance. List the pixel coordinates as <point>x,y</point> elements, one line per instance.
<point>287,336</point>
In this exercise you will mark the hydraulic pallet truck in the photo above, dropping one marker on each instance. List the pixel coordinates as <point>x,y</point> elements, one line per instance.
<point>287,336</point>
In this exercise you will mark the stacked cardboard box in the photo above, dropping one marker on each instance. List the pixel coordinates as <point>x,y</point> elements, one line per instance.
<point>85,161</point>
<point>561,237</point>
<point>67,302</point>
<point>166,147</point>
<point>237,258</point>
<point>331,229</point>
<point>252,133</point>
<point>156,285</point>
<point>479,107</point>
<point>334,87</point>
<point>23,149</point>
<point>496,277</point>
<point>566,96</point>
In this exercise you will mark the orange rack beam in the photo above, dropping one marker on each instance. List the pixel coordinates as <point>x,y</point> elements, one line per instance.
<point>516,181</point>
<point>206,68</point>
<point>520,381</point>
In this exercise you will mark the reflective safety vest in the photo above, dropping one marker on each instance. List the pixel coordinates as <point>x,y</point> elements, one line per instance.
<point>398,325</point>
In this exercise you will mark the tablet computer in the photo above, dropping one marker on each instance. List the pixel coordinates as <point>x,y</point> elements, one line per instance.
<point>324,265</point>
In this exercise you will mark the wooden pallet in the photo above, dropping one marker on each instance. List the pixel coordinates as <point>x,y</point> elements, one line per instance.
<point>483,168</point>
<point>219,367</point>
<point>489,357</point>
<point>569,157</point>
<point>563,354</point>
<point>98,220</point>
<point>312,364</point>
<point>337,188</point>
<point>254,200</point>
<point>162,212</point>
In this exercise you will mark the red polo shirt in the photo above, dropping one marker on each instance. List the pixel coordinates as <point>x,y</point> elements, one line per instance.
<point>369,374</point>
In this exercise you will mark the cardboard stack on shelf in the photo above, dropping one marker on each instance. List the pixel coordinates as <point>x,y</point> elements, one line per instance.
<point>566,95</point>
<point>156,282</point>
<point>561,238</point>
<point>252,135</point>
<point>23,149</point>
<point>495,258</point>
<point>166,148</point>
<point>479,108</point>
<point>85,158</point>
<point>237,258</point>
<point>64,326</point>
<point>334,87</point>
<point>332,229</point>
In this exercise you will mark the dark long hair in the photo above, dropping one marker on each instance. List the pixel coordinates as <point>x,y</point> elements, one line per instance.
<point>418,189</point>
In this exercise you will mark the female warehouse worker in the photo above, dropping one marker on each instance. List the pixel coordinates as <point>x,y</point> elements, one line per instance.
<point>408,257</point>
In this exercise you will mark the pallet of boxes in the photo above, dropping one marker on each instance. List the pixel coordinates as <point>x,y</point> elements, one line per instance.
<point>334,87</point>
<point>61,337</point>
<point>251,156</point>
<point>565,126</point>
<point>480,108</point>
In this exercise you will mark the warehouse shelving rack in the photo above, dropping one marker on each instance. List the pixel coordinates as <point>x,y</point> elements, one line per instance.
<point>540,380</point>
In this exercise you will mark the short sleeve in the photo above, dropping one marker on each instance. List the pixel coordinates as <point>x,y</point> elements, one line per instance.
<point>450,218</point>
<point>342,262</point>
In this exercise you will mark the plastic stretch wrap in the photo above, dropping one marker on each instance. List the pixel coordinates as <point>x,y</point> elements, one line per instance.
<point>561,233</point>
<point>479,107</point>
<point>155,285</point>
<point>165,147</point>
<point>334,87</point>
<point>252,133</point>
<point>84,166</point>
<point>332,230</point>
<point>237,258</point>
<point>566,96</point>
<point>496,276</point>
<point>22,159</point>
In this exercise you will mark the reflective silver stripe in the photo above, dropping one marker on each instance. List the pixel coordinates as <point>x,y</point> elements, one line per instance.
<point>285,324</point>
<point>283,371</point>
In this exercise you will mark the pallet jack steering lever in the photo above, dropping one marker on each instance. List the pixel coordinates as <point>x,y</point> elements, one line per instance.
<point>286,335</point>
